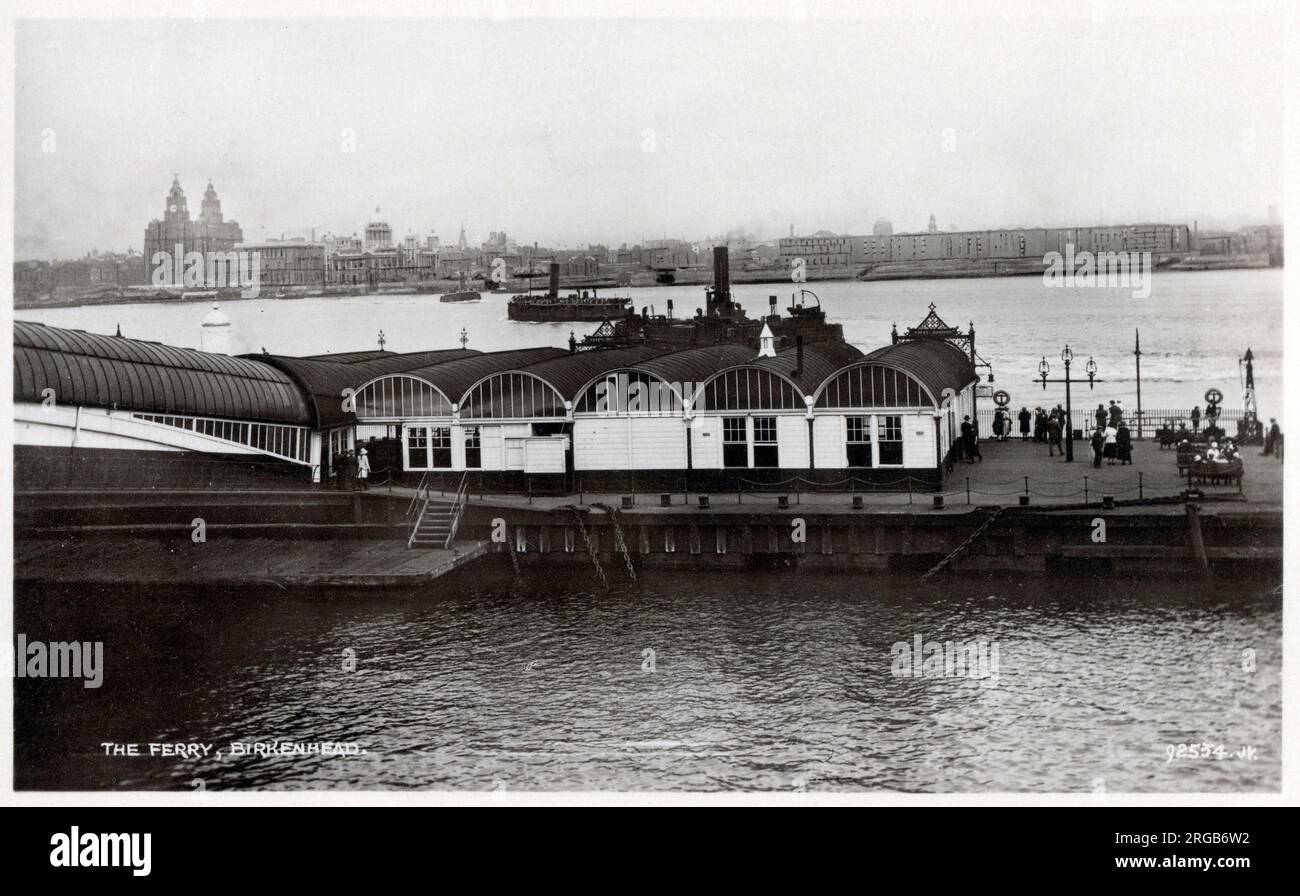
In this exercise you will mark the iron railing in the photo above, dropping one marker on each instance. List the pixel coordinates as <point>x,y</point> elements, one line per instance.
<point>457,507</point>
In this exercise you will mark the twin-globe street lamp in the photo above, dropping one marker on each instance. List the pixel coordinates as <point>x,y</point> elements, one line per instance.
<point>1044,369</point>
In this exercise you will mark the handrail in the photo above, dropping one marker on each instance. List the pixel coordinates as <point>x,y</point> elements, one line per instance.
<point>457,507</point>
<point>416,497</point>
<point>410,542</point>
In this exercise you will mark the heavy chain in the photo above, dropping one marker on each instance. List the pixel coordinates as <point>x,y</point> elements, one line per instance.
<point>591,549</point>
<point>965,545</point>
<point>618,539</point>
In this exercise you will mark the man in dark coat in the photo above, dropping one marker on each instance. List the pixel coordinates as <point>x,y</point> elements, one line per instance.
<point>1271,437</point>
<point>1098,446</point>
<point>1102,417</point>
<point>1196,418</point>
<point>1054,436</point>
<point>969,443</point>
<point>1025,418</point>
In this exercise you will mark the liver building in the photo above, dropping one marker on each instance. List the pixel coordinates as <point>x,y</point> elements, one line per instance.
<point>210,232</point>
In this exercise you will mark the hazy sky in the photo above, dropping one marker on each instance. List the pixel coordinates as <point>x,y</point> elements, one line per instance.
<point>569,132</point>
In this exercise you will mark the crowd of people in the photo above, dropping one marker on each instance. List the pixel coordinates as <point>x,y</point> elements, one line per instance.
<point>350,469</point>
<point>1110,439</point>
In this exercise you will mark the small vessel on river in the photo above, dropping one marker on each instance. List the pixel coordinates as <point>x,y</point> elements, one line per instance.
<point>721,321</point>
<point>583,304</point>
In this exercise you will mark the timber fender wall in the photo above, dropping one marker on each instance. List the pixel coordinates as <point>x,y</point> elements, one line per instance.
<point>1091,541</point>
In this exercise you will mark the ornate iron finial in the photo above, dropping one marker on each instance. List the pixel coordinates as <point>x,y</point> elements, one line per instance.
<point>464,337</point>
<point>382,340</point>
<point>119,331</point>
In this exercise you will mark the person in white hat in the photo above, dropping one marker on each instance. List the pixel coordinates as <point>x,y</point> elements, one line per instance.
<point>363,468</point>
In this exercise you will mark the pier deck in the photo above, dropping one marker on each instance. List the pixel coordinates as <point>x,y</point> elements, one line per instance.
<point>141,562</point>
<point>998,480</point>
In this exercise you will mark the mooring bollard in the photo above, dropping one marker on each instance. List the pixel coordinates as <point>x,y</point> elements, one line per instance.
<point>938,502</point>
<point>627,501</point>
<point>1108,502</point>
<point>783,501</point>
<point>665,500</point>
<point>857,502</point>
<point>1024,500</point>
<point>704,502</point>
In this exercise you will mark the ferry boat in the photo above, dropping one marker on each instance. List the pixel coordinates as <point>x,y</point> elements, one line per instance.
<point>463,295</point>
<point>720,322</point>
<point>583,305</point>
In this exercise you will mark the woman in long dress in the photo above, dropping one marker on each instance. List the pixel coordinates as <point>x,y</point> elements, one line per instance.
<point>1108,446</point>
<point>1123,445</point>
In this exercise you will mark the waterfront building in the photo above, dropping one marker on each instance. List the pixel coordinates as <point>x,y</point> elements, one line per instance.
<point>326,380</point>
<point>368,268</point>
<point>822,249</point>
<point>982,245</point>
<point>464,414</point>
<point>342,244</point>
<point>210,232</point>
<point>724,414</point>
<point>379,236</point>
<point>289,262</point>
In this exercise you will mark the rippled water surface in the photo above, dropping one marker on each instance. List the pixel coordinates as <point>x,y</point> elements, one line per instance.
<point>777,681</point>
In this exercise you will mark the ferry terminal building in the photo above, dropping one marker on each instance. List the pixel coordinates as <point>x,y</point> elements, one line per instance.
<point>117,412</point>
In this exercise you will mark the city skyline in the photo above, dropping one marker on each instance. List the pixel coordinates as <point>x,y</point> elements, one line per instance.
<point>626,131</point>
<point>485,239</point>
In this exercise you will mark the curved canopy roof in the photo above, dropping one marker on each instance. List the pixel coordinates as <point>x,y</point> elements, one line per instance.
<point>131,374</point>
<point>695,365</point>
<point>570,373</point>
<point>454,378</point>
<point>933,364</point>
<point>820,360</point>
<point>937,364</point>
<point>324,379</point>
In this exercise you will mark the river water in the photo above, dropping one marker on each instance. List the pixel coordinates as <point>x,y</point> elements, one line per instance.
<point>776,682</point>
<point>1194,327</point>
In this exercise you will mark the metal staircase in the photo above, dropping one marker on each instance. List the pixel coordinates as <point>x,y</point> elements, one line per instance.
<point>434,526</point>
<point>438,518</point>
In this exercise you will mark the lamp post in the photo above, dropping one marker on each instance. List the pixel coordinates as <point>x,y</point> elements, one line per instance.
<point>1044,369</point>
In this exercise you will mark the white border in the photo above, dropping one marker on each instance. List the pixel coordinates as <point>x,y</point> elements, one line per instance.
<point>794,10</point>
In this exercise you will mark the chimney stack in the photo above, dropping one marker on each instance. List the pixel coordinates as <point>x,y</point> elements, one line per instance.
<point>721,278</point>
<point>771,305</point>
<point>554,291</point>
